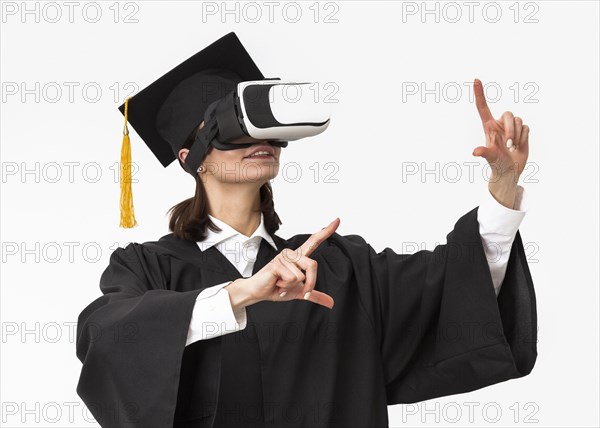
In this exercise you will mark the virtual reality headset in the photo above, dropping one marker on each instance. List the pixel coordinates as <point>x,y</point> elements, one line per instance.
<point>260,110</point>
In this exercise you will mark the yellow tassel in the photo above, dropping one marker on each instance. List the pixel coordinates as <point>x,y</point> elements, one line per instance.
<point>127,214</point>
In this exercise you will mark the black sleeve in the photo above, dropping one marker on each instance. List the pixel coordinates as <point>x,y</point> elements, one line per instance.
<point>440,327</point>
<point>131,341</point>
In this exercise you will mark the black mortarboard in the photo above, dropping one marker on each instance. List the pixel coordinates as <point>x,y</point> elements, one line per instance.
<point>165,112</point>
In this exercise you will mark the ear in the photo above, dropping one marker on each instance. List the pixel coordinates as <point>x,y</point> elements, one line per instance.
<point>183,154</point>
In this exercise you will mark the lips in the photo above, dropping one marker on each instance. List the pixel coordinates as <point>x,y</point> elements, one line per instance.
<point>263,148</point>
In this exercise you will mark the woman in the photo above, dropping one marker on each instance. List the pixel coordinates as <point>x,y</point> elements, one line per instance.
<point>326,332</point>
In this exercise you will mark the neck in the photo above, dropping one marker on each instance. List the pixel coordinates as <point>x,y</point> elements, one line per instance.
<point>237,204</point>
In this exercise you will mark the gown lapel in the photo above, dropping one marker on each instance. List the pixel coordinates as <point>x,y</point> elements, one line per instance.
<point>218,262</point>
<point>215,266</point>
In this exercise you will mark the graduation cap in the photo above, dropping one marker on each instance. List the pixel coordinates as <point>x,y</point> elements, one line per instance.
<point>166,112</point>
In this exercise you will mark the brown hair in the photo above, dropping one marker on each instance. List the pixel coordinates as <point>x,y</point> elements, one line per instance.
<point>189,218</point>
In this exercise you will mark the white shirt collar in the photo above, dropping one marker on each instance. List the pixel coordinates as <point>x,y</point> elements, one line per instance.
<point>227,232</point>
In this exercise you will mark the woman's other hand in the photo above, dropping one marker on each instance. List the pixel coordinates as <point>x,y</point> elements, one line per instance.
<point>290,275</point>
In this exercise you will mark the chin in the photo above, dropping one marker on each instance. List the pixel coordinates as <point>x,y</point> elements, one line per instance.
<point>263,172</point>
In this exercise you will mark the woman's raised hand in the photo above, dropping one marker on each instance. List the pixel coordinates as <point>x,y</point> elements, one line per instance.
<point>283,279</point>
<point>507,140</point>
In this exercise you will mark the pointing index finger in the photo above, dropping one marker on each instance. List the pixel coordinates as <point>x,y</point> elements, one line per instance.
<point>481,103</point>
<point>317,238</point>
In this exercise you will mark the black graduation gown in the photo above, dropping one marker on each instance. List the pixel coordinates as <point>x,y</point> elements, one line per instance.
<point>404,328</point>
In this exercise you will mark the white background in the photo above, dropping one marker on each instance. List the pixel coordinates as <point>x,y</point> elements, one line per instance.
<point>370,54</point>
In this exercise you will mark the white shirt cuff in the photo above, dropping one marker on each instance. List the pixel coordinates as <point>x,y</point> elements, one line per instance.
<point>496,218</point>
<point>498,227</point>
<point>214,316</point>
